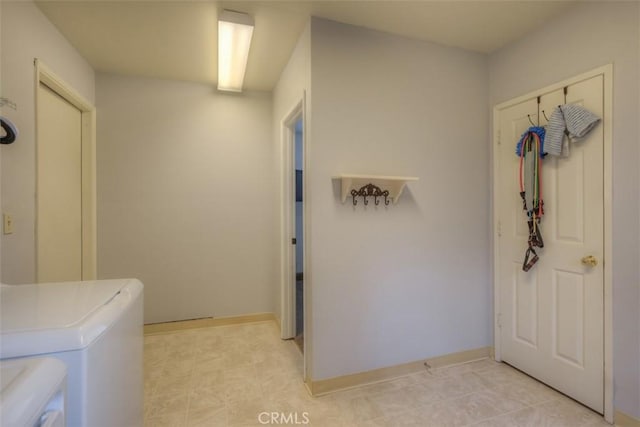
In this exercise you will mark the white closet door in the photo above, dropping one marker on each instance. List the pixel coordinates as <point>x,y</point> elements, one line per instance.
<point>59,188</point>
<point>552,317</point>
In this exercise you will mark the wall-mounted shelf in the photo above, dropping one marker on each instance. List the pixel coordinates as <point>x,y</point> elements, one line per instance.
<point>381,188</point>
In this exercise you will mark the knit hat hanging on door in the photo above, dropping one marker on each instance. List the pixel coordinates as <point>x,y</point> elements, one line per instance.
<point>567,123</point>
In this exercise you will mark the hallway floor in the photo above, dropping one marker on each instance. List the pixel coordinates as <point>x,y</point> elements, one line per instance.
<point>238,375</point>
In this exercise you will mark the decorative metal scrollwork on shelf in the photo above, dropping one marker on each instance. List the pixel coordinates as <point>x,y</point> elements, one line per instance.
<point>370,190</point>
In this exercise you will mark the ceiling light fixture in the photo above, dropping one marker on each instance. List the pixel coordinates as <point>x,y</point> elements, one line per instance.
<point>234,39</point>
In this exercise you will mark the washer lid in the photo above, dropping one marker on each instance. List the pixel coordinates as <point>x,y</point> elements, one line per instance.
<point>53,305</point>
<point>49,317</point>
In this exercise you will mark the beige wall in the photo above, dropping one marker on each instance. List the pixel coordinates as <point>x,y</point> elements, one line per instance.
<point>27,34</point>
<point>186,196</point>
<point>588,36</point>
<point>411,281</point>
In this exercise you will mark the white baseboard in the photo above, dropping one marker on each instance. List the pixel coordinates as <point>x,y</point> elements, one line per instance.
<point>623,420</point>
<point>160,328</point>
<point>320,387</point>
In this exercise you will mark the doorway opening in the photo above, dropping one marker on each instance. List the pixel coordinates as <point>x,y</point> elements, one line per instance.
<point>294,268</point>
<point>299,235</point>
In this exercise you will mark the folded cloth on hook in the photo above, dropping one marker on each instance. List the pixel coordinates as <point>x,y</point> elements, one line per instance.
<point>568,121</point>
<point>555,134</point>
<point>580,121</point>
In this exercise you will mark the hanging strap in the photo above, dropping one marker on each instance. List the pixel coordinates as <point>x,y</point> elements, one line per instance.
<point>535,236</point>
<point>531,172</point>
<point>531,144</point>
<point>530,258</point>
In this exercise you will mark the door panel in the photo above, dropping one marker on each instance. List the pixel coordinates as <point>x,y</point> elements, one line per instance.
<point>552,316</point>
<point>525,307</point>
<point>59,189</point>
<point>568,317</point>
<point>570,199</point>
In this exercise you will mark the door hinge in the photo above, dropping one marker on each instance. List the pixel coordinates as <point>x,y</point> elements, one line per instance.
<point>499,137</point>
<point>499,320</point>
<point>293,241</point>
<point>499,228</point>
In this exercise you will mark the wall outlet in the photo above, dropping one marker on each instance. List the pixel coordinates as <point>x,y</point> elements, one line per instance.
<point>7,227</point>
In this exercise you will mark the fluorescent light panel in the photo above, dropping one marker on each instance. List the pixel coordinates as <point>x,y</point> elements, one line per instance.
<point>235,30</point>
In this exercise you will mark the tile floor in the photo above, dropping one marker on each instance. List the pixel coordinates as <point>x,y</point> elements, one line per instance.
<point>230,375</point>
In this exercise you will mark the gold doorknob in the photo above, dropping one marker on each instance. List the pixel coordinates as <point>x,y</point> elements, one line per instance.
<point>590,260</point>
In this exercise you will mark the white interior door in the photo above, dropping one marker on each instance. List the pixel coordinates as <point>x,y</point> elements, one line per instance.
<point>552,317</point>
<point>59,188</point>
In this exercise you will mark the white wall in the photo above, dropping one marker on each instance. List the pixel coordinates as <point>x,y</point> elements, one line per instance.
<point>411,281</point>
<point>186,196</point>
<point>591,35</point>
<point>27,34</point>
<point>294,81</point>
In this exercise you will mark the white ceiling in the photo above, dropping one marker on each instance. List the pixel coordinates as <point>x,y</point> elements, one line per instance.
<point>178,39</point>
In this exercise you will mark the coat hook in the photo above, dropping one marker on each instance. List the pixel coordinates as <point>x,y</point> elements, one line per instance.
<point>370,190</point>
<point>545,116</point>
<point>530,121</point>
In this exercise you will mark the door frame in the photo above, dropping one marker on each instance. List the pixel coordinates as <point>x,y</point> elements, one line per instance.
<point>607,72</point>
<point>287,226</point>
<point>47,77</point>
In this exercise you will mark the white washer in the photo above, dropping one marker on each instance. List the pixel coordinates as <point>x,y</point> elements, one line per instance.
<point>32,392</point>
<point>96,329</point>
